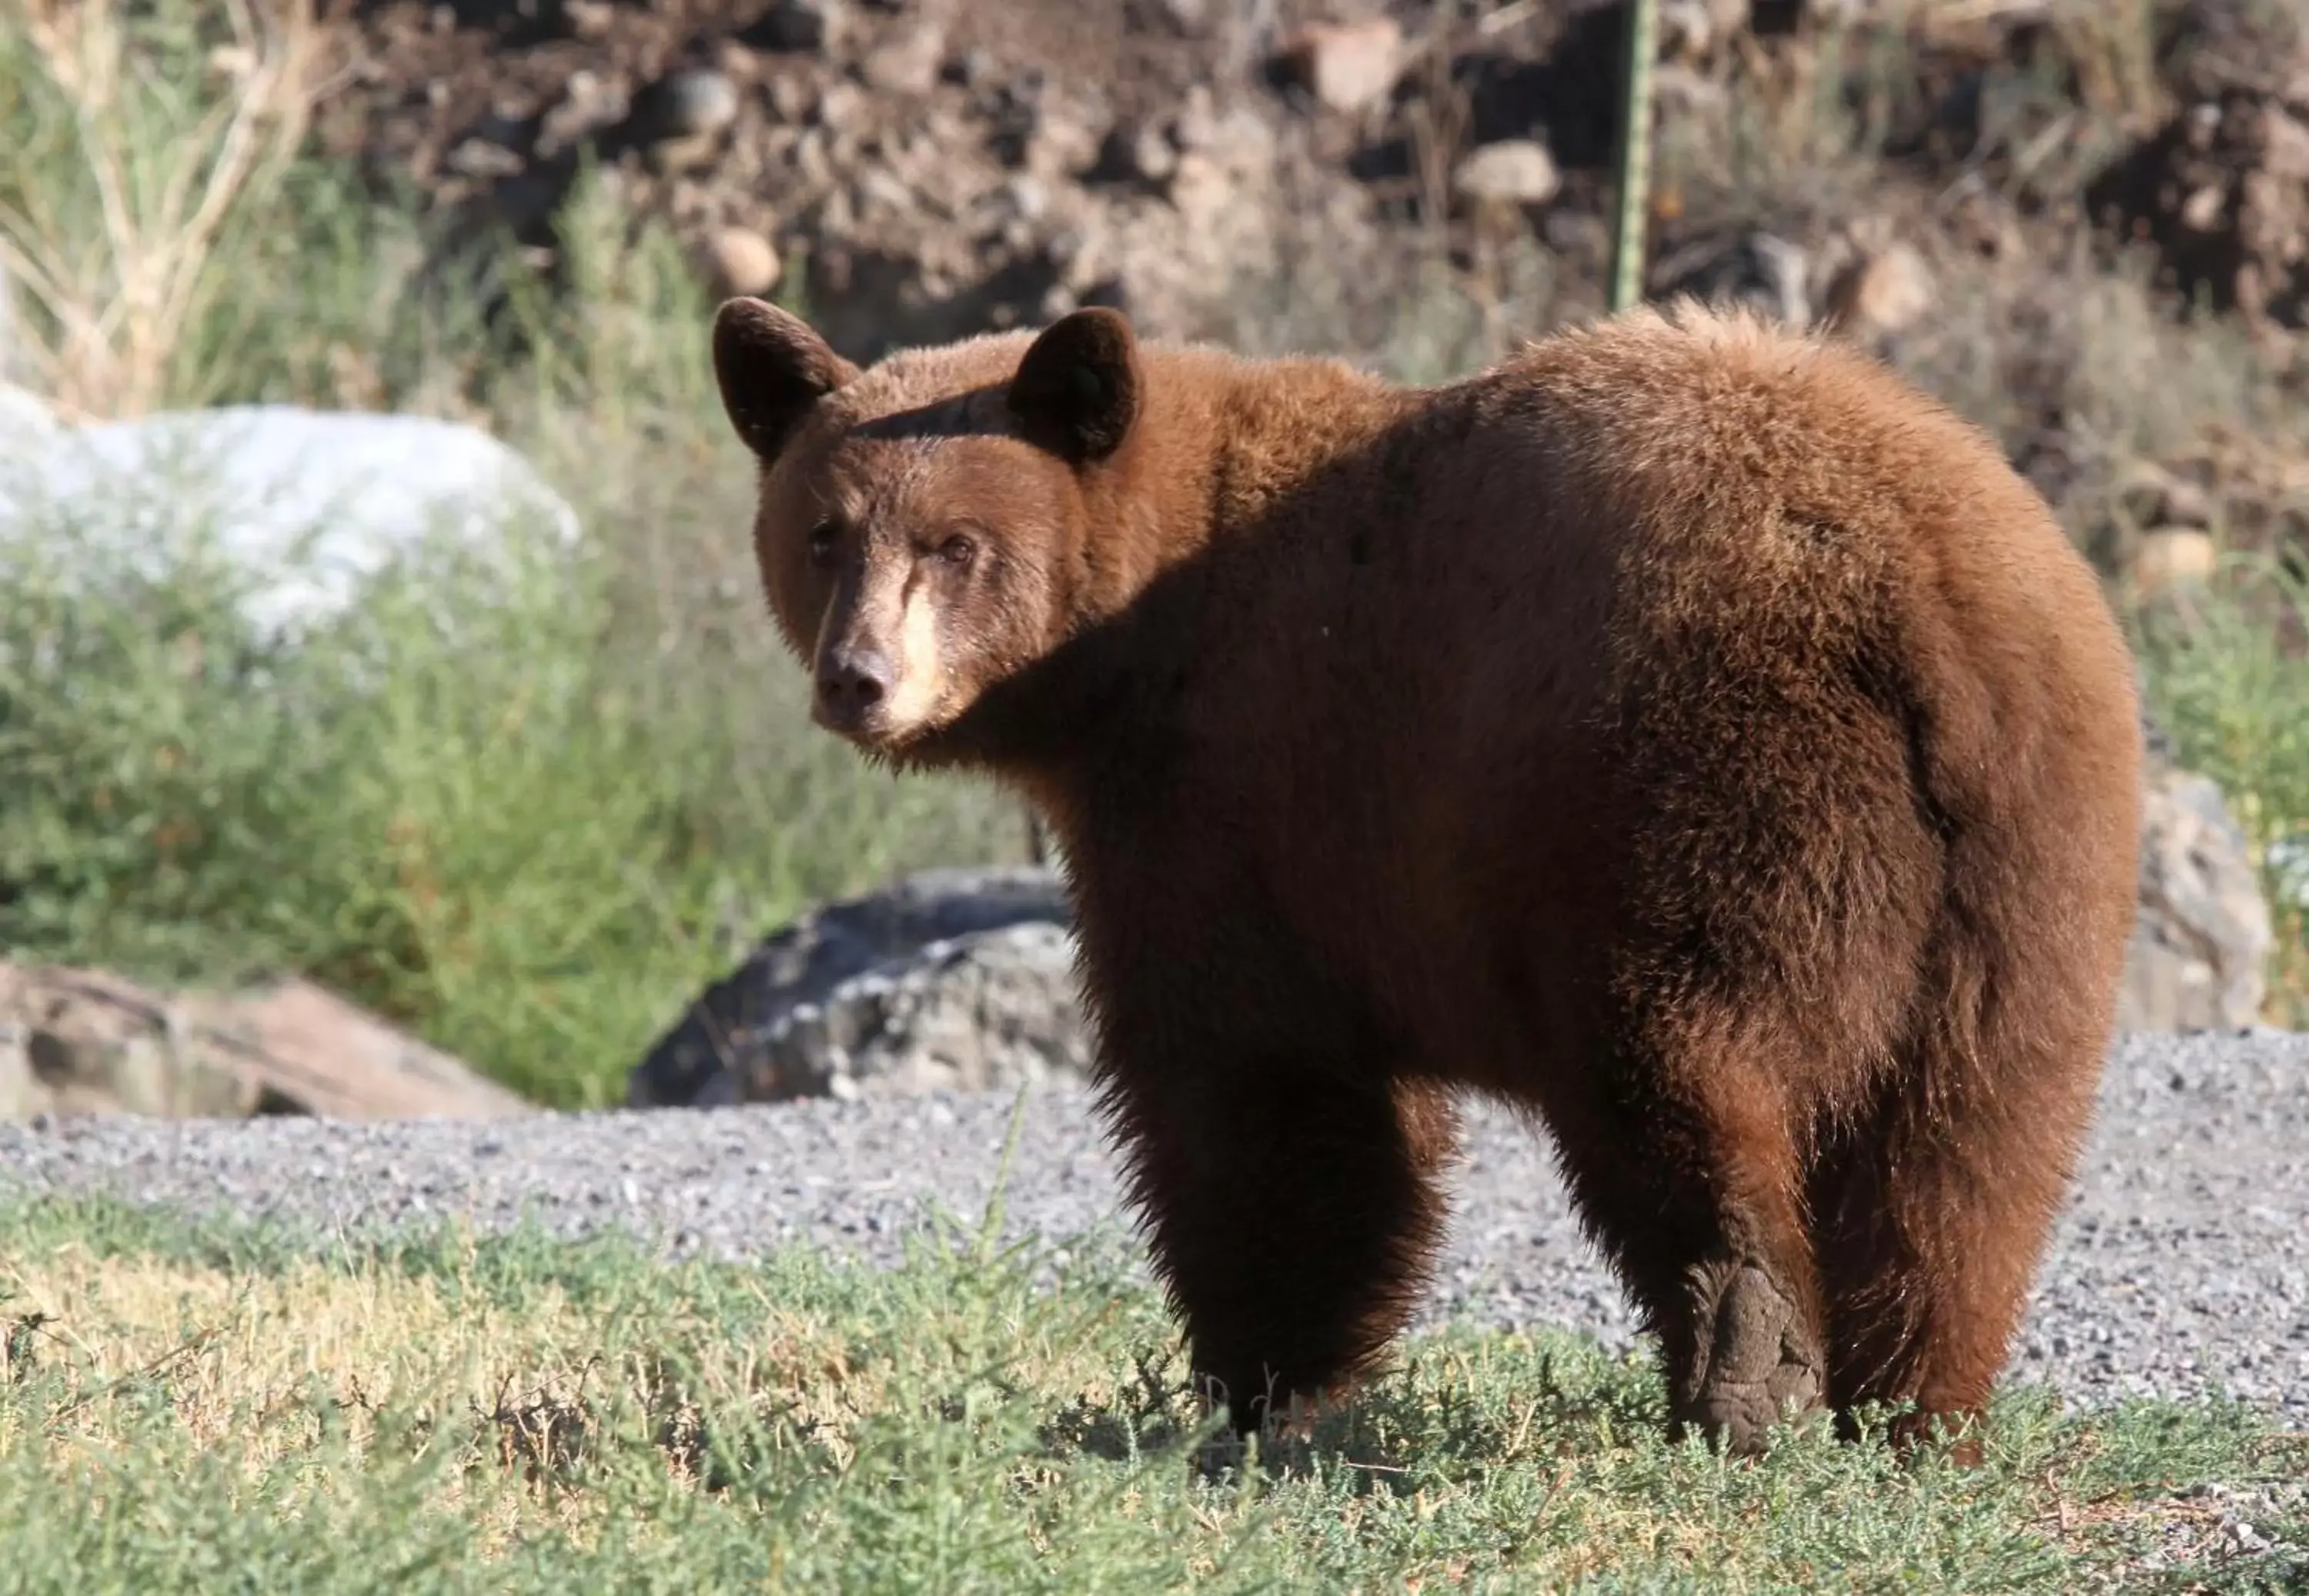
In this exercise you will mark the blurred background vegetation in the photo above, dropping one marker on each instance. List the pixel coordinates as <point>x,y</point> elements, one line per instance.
<point>528,818</point>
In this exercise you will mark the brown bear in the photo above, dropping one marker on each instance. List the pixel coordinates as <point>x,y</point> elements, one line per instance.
<point>1686,731</point>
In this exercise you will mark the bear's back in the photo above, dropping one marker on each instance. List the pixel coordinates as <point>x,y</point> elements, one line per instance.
<point>1679,597</point>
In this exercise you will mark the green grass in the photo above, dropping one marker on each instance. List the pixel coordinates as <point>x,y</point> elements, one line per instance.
<point>208,1407</point>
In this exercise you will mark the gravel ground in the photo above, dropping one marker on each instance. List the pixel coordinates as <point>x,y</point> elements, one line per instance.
<point>2182,1264</point>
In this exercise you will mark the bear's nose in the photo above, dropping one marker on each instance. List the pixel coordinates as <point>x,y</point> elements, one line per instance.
<point>854,681</point>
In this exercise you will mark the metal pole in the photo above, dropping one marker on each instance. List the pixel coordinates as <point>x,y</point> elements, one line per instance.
<point>1632,202</point>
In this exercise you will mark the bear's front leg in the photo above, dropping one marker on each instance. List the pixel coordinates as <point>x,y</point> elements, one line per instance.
<point>1292,1209</point>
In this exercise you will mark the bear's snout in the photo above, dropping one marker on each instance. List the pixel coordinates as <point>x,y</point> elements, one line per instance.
<point>851,684</point>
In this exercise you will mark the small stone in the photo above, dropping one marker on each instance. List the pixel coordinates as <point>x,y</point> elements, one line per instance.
<point>839,106</point>
<point>792,25</point>
<point>789,98</point>
<point>692,103</point>
<point>1029,196</point>
<point>1510,172</point>
<point>973,69</point>
<point>2203,124</point>
<point>1884,291</point>
<point>1135,152</point>
<point>878,190</point>
<point>908,63</point>
<point>2172,557</point>
<point>482,158</point>
<point>739,261</point>
<point>1346,65</point>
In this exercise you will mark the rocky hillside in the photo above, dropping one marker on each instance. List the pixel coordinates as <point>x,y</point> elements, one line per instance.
<point>1425,182</point>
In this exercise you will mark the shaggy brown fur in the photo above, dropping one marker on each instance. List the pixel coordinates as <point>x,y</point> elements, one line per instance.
<point>1686,731</point>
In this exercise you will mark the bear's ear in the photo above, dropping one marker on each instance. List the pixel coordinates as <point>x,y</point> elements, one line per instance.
<point>772,367</point>
<point>1077,389</point>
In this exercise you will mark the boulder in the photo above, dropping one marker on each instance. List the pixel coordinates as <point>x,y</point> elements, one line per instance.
<point>84,1041</point>
<point>2201,940</point>
<point>303,505</point>
<point>985,1012</point>
<point>958,978</point>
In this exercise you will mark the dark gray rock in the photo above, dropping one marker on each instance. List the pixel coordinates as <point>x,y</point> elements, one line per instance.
<point>958,978</point>
<point>687,104</point>
<point>792,25</point>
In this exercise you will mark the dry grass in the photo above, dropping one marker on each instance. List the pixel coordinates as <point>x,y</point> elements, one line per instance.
<point>166,169</point>
<point>499,1414</point>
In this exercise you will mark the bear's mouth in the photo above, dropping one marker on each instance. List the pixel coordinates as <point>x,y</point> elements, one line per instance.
<point>866,726</point>
<point>871,729</point>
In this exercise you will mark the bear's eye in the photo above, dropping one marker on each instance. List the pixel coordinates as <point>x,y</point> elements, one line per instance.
<point>825,538</point>
<point>958,549</point>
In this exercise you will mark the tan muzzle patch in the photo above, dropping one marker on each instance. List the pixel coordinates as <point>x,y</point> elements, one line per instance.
<point>919,670</point>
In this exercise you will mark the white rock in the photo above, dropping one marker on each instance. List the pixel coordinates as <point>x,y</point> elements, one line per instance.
<point>305,506</point>
<point>1347,65</point>
<point>25,421</point>
<point>1509,172</point>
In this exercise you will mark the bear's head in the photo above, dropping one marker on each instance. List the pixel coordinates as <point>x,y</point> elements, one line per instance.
<point>923,525</point>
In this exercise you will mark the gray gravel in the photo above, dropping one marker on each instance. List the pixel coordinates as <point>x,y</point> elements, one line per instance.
<point>2181,1266</point>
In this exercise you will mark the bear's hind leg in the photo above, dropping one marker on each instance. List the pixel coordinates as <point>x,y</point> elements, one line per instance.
<point>1932,1224</point>
<point>1691,1194</point>
<point>1293,1212</point>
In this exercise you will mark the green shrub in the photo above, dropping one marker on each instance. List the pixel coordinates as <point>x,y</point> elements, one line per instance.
<point>2227,676</point>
